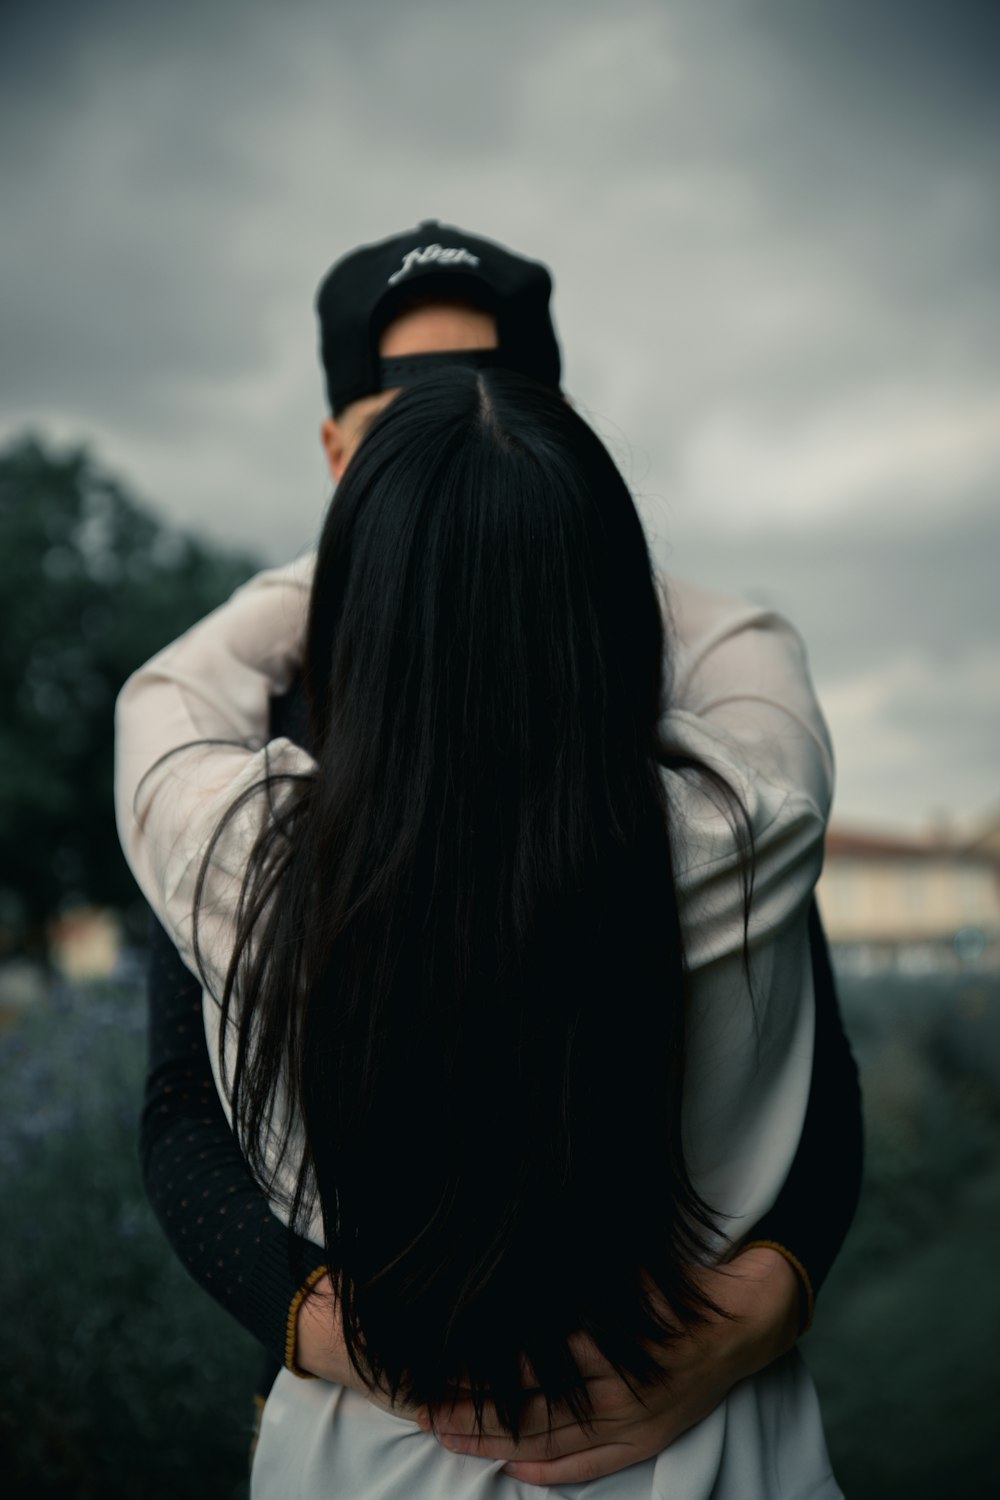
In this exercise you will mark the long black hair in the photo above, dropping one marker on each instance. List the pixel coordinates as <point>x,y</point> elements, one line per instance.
<point>459,957</point>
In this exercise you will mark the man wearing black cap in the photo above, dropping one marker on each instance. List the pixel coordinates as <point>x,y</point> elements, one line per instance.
<point>389,313</point>
<point>392,312</point>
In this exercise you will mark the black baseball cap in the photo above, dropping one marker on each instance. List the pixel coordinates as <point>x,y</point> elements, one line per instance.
<point>362,293</point>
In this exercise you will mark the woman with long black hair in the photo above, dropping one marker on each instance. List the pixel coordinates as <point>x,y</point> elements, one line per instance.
<point>510,979</point>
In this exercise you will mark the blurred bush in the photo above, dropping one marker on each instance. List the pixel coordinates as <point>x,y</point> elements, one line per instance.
<point>119,1376</point>
<point>93,584</point>
<point>904,1345</point>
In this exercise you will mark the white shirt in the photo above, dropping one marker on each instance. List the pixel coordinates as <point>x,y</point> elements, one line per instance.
<point>742,701</point>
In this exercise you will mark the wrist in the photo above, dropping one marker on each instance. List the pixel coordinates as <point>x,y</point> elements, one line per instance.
<point>767,1302</point>
<point>315,1344</point>
<point>317,1348</point>
<point>764,1251</point>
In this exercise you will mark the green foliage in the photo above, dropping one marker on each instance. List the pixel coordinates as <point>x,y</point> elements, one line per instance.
<point>93,584</point>
<point>904,1346</point>
<point>119,1376</point>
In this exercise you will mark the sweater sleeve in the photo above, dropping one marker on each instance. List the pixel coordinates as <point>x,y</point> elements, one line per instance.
<point>220,687</point>
<point>211,1209</point>
<point>813,1212</point>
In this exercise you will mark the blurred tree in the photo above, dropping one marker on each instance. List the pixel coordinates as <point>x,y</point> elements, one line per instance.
<point>92,585</point>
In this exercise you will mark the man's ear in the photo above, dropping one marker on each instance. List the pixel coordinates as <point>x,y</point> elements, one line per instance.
<point>334,441</point>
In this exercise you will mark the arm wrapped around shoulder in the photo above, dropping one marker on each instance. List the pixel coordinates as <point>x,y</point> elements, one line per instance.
<point>190,744</point>
<point>745,867</point>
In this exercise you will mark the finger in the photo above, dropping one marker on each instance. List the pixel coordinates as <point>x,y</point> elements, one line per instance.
<point>549,1445</point>
<point>592,1364</point>
<point>590,1361</point>
<point>526,1370</point>
<point>577,1468</point>
<point>537,1417</point>
<point>460,1421</point>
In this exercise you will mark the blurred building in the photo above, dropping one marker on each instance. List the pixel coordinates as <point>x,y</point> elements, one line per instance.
<point>986,840</point>
<point>85,943</point>
<point>913,903</point>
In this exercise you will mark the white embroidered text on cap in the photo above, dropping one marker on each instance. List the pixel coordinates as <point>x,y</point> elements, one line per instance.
<point>456,256</point>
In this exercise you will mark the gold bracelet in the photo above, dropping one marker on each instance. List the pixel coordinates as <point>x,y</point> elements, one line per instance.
<point>291,1328</point>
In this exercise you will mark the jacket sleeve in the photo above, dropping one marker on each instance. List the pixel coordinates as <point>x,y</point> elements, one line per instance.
<point>195,773</point>
<point>749,775</point>
<point>741,672</point>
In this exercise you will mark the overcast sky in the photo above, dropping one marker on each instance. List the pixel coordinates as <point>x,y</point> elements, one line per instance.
<point>775,232</point>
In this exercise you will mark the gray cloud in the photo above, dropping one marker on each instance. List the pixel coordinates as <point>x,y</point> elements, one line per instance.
<point>866,592</point>
<point>900,616</point>
<point>775,231</point>
<point>915,64</point>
